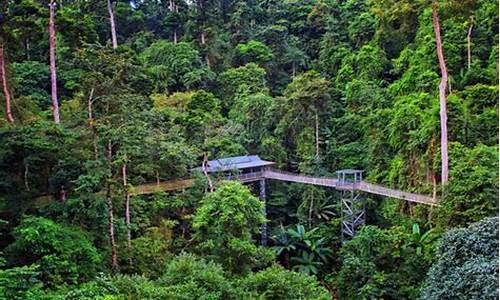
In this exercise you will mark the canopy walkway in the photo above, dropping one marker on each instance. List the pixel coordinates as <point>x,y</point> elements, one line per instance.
<point>180,184</point>
<point>334,183</point>
<point>252,168</point>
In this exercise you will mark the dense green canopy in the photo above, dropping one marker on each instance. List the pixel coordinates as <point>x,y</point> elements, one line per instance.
<point>313,85</point>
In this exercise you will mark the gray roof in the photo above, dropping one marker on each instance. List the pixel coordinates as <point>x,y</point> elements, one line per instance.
<point>236,163</point>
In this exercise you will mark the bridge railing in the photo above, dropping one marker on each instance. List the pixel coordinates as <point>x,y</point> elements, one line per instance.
<point>245,177</point>
<point>384,191</point>
<point>300,178</point>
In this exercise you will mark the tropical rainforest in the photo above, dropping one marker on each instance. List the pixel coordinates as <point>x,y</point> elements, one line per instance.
<point>100,98</point>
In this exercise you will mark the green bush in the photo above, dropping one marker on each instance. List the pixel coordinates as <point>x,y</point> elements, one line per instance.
<point>472,193</point>
<point>188,277</point>
<point>383,264</point>
<point>277,283</point>
<point>17,282</point>
<point>467,264</point>
<point>149,253</point>
<point>64,254</point>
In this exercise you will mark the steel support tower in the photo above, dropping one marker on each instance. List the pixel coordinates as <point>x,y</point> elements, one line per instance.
<point>353,203</point>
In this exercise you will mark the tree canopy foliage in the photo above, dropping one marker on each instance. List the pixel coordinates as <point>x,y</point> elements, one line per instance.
<point>148,90</point>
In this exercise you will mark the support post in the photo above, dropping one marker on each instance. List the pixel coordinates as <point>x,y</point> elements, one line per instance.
<point>262,197</point>
<point>353,204</point>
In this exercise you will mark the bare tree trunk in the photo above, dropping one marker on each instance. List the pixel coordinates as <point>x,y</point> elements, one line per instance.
<point>442,96</point>
<point>112,23</point>
<point>469,34</point>
<point>157,173</point>
<point>127,204</point>
<point>175,35</point>
<point>205,171</point>
<point>109,202</point>
<point>209,64</point>
<point>317,135</point>
<point>5,85</point>
<point>434,185</point>
<point>202,37</point>
<point>293,69</point>
<point>52,54</point>
<point>311,206</point>
<point>26,172</point>
<point>28,56</point>
<point>91,123</point>
<point>109,151</point>
<point>111,229</point>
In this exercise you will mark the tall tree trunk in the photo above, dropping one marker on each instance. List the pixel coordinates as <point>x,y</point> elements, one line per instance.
<point>5,85</point>
<point>109,202</point>
<point>26,172</point>
<point>91,123</point>
<point>157,173</point>
<point>175,35</point>
<point>205,171</point>
<point>203,38</point>
<point>317,134</point>
<point>311,208</point>
<point>442,96</point>
<point>127,204</point>
<point>111,228</point>
<point>469,34</point>
<point>28,56</point>
<point>52,54</point>
<point>112,23</point>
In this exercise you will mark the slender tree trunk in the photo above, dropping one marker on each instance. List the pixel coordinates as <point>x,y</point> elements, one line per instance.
<point>205,171</point>
<point>26,172</point>
<point>469,34</point>
<point>109,201</point>
<point>112,23</point>
<point>111,228</point>
<point>442,96</point>
<point>209,64</point>
<point>52,54</point>
<point>157,173</point>
<point>203,38</point>
<point>311,206</point>
<point>127,203</point>
<point>91,123</point>
<point>286,258</point>
<point>28,56</point>
<point>293,69</point>
<point>175,35</point>
<point>5,85</point>
<point>317,135</point>
<point>434,185</point>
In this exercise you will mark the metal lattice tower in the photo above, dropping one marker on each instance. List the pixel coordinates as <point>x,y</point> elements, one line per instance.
<point>353,203</point>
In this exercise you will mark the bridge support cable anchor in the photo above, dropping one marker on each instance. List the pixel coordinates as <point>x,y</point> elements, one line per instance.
<point>352,208</point>
<point>262,197</point>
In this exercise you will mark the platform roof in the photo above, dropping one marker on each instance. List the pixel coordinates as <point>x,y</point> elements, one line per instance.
<point>236,163</point>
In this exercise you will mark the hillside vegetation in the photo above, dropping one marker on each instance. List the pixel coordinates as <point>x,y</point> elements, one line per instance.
<point>99,97</point>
